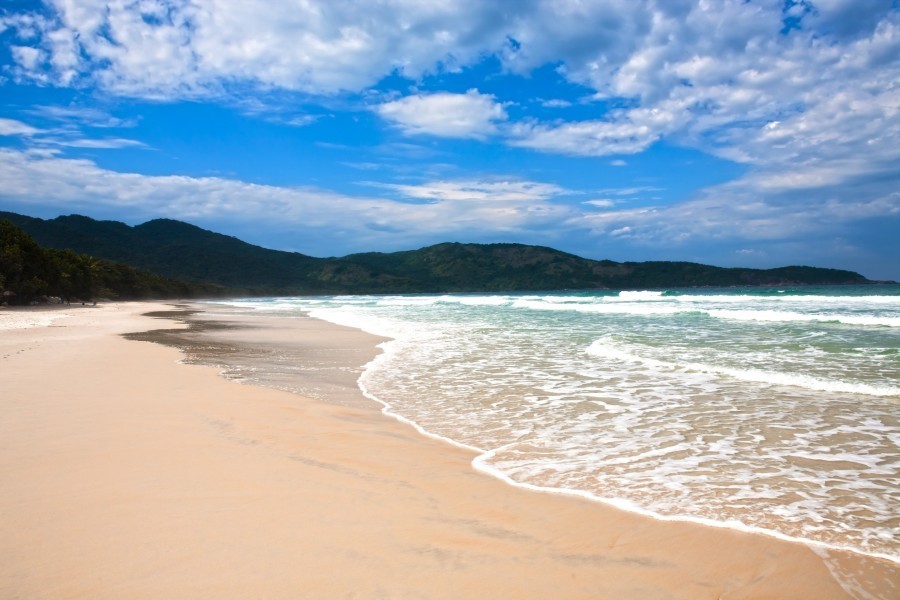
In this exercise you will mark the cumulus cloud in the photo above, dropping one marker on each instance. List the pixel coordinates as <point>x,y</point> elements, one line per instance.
<point>843,18</point>
<point>814,113</point>
<point>586,138</point>
<point>29,58</point>
<point>81,184</point>
<point>711,75</point>
<point>469,115</point>
<point>176,49</point>
<point>714,75</point>
<point>460,207</point>
<point>742,211</point>
<point>804,94</point>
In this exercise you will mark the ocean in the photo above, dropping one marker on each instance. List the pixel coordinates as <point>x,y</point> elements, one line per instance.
<point>774,410</point>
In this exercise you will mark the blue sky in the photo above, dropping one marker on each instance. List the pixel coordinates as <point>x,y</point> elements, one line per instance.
<point>754,133</point>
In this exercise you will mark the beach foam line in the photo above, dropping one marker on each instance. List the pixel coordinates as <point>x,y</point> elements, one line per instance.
<point>483,456</point>
<point>775,316</point>
<point>612,308</point>
<point>387,409</point>
<point>479,463</point>
<point>599,349</point>
<point>671,308</point>
<point>813,299</point>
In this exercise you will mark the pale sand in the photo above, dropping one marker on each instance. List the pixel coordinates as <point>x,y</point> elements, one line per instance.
<point>126,475</point>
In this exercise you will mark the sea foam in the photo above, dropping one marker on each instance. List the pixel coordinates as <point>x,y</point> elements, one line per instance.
<point>763,411</point>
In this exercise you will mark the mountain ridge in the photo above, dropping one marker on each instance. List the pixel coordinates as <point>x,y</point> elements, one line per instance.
<point>31,273</point>
<point>184,251</point>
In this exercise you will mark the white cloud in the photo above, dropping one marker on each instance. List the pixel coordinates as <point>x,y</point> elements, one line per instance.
<point>176,49</point>
<point>556,103</point>
<point>302,120</point>
<point>80,115</point>
<point>13,127</point>
<point>750,252</point>
<point>95,143</point>
<point>631,191</point>
<point>711,75</point>
<point>742,211</point>
<point>62,137</point>
<point>480,190</point>
<point>469,115</point>
<point>29,58</point>
<point>81,183</point>
<point>716,75</point>
<point>601,203</point>
<point>813,113</point>
<point>704,74</point>
<point>846,18</point>
<point>585,138</point>
<point>455,209</point>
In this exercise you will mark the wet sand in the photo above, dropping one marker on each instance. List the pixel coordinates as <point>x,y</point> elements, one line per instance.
<point>126,474</point>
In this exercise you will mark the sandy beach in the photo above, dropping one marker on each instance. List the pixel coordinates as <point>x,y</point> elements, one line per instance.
<point>125,474</point>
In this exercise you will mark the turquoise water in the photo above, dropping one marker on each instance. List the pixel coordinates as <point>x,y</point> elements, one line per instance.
<point>762,408</point>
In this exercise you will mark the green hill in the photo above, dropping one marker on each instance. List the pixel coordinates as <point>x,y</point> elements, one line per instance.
<point>517,267</point>
<point>458,267</point>
<point>29,272</point>
<point>178,250</point>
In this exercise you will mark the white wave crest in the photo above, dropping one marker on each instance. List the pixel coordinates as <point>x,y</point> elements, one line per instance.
<point>638,296</point>
<point>860,301</point>
<point>407,301</point>
<point>790,316</point>
<point>636,308</point>
<point>602,349</point>
<point>475,300</point>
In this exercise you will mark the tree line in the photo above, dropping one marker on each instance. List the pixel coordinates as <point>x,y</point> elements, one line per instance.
<point>30,273</point>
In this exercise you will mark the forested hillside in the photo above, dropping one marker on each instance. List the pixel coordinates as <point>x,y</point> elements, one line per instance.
<point>185,252</point>
<point>29,272</point>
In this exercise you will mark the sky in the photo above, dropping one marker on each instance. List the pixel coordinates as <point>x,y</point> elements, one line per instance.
<point>757,133</point>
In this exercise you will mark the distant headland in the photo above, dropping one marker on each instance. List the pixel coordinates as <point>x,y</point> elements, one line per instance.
<point>83,257</point>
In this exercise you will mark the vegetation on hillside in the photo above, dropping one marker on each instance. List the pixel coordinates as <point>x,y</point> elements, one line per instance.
<point>517,267</point>
<point>29,272</point>
<point>188,253</point>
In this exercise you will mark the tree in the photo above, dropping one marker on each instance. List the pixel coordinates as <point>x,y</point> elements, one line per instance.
<point>24,266</point>
<point>30,271</point>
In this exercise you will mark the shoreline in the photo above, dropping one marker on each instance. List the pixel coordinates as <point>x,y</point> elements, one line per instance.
<point>321,498</point>
<point>481,455</point>
<point>479,463</point>
<point>615,503</point>
<point>618,504</point>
